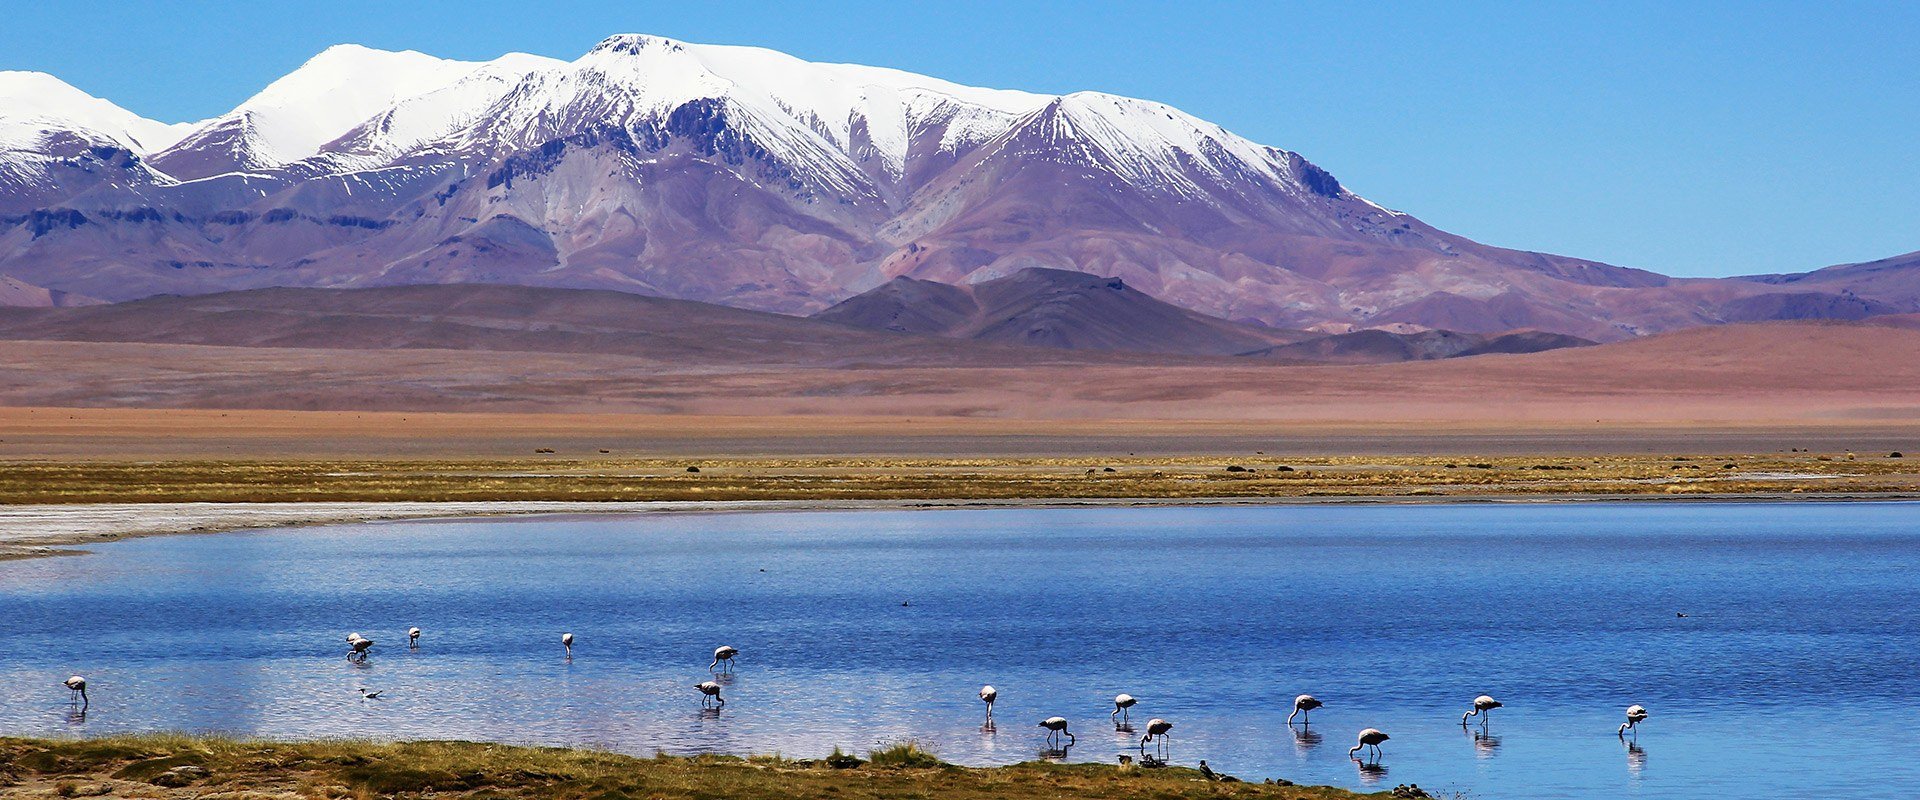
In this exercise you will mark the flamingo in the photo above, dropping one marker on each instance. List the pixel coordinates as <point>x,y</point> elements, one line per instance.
<point>1120,705</point>
<point>710,692</point>
<point>1302,705</point>
<point>1636,714</point>
<point>1156,731</point>
<point>723,655</point>
<point>566,640</point>
<point>987,695</point>
<point>413,638</point>
<point>1056,726</point>
<point>360,647</point>
<point>77,687</point>
<point>1371,737</point>
<point>1484,704</point>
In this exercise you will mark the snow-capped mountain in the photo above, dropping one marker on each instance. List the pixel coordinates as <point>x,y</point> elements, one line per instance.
<point>35,104</point>
<point>54,137</point>
<point>338,91</point>
<point>749,177</point>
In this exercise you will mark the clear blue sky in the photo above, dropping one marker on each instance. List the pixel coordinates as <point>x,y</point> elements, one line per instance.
<point>1694,138</point>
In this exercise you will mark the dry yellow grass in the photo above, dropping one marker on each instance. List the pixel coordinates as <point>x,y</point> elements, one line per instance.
<point>181,767</point>
<point>813,479</point>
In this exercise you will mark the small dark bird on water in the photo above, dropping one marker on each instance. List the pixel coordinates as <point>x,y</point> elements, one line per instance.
<point>1680,614</point>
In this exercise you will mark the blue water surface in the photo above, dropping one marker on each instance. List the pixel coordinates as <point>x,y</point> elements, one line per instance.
<point>1795,672</point>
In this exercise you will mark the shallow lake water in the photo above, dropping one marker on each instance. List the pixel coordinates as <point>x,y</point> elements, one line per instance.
<point>1795,672</point>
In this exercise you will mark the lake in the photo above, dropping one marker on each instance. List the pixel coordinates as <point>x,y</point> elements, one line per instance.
<point>1795,672</point>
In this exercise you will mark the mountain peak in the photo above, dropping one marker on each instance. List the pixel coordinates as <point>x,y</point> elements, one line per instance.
<point>35,104</point>
<point>635,43</point>
<point>293,117</point>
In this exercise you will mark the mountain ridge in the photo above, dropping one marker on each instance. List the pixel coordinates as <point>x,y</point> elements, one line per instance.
<point>751,178</point>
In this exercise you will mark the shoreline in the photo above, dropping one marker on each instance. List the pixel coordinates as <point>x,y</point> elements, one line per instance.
<point>170,766</point>
<point>54,530</point>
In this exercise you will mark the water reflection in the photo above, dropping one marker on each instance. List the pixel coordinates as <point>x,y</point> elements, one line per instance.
<point>1485,744</point>
<point>1371,772</point>
<point>1636,758</point>
<point>1305,740</point>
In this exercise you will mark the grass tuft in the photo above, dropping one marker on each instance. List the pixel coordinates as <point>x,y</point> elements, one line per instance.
<point>906,755</point>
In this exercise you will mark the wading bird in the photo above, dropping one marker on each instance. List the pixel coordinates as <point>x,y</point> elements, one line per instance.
<point>723,659</point>
<point>360,647</point>
<point>1483,704</point>
<point>1302,705</point>
<point>413,638</point>
<point>1635,716</point>
<point>987,695</point>
<point>1120,705</point>
<point>566,640</point>
<point>77,691</point>
<point>1156,732</point>
<point>1056,726</point>
<point>710,695</point>
<point>1370,738</point>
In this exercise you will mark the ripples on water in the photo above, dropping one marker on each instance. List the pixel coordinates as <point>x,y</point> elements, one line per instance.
<point>1794,673</point>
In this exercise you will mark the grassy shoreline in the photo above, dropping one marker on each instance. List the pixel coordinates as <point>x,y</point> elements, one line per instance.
<point>1256,476</point>
<point>49,505</point>
<point>176,766</point>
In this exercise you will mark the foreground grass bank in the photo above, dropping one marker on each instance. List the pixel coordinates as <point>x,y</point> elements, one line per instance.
<point>181,767</point>
<point>596,477</point>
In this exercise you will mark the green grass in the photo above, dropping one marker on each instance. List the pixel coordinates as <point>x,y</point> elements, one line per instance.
<point>172,766</point>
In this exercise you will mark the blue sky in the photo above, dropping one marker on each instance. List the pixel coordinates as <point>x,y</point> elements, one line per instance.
<point>1693,138</point>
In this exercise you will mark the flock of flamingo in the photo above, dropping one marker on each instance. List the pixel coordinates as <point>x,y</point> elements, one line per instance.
<point>1058,738</point>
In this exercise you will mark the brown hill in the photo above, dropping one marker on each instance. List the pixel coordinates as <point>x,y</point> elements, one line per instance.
<point>1385,347</point>
<point>495,318</point>
<point>1050,308</point>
